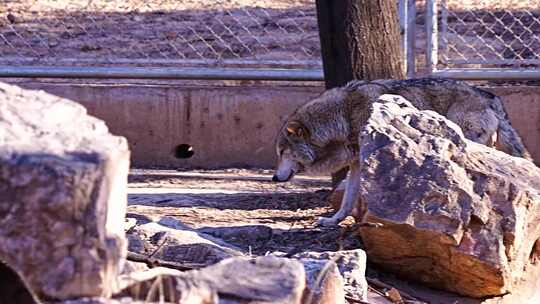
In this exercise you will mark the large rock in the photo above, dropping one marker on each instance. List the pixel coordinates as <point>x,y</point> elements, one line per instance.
<point>232,281</point>
<point>63,181</point>
<point>455,214</point>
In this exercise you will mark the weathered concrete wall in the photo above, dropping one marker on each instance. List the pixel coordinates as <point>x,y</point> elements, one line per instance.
<point>227,125</point>
<point>523,106</point>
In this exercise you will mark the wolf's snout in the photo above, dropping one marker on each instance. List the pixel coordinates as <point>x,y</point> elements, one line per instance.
<point>285,170</point>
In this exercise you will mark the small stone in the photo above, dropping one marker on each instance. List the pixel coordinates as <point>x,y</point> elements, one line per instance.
<point>12,18</point>
<point>53,42</point>
<point>394,295</point>
<point>90,48</point>
<point>171,35</point>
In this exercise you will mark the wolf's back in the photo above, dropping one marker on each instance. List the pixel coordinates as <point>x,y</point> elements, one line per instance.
<point>508,140</point>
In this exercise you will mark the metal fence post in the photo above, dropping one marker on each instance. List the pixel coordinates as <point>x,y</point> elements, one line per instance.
<point>411,38</point>
<point>162,73</point>
<point>407,20</point>
<point>404,25</point>
<point>432,36</point>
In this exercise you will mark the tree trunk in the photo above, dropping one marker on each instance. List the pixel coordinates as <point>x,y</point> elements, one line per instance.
<point>360,39</point>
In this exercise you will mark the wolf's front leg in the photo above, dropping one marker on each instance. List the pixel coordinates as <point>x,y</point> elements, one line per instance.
<point>349,199</point>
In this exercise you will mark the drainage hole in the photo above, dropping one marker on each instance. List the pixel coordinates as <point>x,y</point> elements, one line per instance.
<point>183,151</point>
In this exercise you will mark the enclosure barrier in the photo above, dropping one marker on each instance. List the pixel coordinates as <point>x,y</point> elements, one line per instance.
<point>164,73</point>
<point>478,40</point>
<point>255,39</point>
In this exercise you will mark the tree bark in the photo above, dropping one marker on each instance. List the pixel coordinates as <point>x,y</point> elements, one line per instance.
<point>360,39</point>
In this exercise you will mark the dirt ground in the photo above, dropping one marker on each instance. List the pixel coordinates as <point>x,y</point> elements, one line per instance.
<point>242,198</point>
<point>268,217</point>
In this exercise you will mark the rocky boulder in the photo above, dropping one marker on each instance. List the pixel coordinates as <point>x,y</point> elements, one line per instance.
<point>456,215</point>
<point>234,281</point>
<point>63,180</point>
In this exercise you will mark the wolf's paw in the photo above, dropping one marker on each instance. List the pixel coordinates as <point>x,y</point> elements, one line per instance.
<point>327,221</point>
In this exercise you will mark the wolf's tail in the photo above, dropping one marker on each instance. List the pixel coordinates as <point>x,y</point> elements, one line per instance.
<point>508,140</point>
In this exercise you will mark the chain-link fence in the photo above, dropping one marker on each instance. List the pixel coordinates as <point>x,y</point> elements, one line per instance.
<point>150,32</point>
<point>501,36</point>
<point>253,33</point>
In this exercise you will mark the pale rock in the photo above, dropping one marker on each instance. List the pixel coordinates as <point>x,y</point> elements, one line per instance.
<point>63,181</point>
<point>239,280</point>
<point>455,214</point>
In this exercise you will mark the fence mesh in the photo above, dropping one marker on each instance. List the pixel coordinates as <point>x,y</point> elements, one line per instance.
<point>503,33</point>
<point>484,33</point>
<point>159,31</point>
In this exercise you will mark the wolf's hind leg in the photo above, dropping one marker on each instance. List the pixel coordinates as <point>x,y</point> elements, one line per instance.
<point>352,192</point>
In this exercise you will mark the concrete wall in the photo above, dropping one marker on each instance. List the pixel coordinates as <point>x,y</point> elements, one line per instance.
<point>227,125</point>
<point>523,106</point>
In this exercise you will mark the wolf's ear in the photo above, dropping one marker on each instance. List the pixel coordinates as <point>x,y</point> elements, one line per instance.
<point>295,128</point>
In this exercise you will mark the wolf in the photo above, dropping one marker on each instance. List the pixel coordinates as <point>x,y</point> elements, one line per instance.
<point>321,136</point>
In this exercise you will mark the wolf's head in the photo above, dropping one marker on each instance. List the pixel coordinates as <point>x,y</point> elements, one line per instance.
<point>316,138</point>
<point>293,150</point>
<point>297,152</point>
